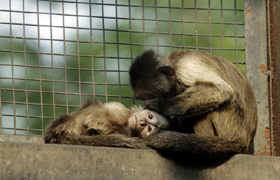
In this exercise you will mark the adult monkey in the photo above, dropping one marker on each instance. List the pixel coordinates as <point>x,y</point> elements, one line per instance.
<point>210,97</point>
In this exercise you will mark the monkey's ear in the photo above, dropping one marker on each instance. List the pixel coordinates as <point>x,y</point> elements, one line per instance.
<point>167,70</point>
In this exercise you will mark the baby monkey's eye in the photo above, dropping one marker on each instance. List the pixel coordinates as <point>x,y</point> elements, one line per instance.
<point>150,116</point>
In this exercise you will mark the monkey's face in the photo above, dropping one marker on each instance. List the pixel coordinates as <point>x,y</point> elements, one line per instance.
<point>144,123</point>
<point>141,91</point>
<point>150,76</point>
<point>152,87</point>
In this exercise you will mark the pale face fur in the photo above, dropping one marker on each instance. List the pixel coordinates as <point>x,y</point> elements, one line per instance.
<point>145,123</point>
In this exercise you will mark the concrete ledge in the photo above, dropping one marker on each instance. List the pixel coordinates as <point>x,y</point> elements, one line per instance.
<point>22,138</point>
<point>44,161</point>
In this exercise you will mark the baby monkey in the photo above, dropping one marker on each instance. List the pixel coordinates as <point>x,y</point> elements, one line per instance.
<point>105,124</point>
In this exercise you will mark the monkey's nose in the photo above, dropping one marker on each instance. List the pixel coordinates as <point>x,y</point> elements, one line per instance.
<point>142,122</point>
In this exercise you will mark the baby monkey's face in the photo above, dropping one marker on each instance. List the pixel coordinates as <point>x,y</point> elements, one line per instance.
<point>145,123</point>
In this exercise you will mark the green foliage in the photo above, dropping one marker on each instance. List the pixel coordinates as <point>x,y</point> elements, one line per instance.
<point>44,73</point>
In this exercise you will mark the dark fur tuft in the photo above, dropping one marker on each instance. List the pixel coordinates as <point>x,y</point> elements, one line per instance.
<point>51,133</point>
<point>145,62</point>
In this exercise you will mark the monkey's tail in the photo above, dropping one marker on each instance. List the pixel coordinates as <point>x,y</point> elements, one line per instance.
<point>107,140</point>
<point>191,144</point>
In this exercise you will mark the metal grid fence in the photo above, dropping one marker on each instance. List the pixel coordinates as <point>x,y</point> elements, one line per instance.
<point>55,54</point>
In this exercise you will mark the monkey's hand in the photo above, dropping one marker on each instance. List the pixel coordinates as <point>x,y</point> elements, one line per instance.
<point>152,104</point>
<point>159,105</point>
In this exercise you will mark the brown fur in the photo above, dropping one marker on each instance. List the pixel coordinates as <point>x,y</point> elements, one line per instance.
<point>209,96</point>
<point>104,124</point>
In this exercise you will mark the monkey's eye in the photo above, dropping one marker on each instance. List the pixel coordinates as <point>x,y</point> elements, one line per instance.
<point>92,132</point>
<point>150,116</point>
<point>150,128</point>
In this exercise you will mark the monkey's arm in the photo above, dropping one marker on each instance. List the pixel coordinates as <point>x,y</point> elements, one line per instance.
<point>197,99</point>
<point>172,141</point>
<point>108,140</point>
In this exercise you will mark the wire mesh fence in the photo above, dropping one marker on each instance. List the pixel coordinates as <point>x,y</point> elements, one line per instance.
<point>56,54</point>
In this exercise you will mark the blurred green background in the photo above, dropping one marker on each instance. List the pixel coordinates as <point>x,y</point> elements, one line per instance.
<point>51,60</point>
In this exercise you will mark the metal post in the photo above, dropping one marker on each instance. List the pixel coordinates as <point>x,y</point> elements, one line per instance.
<point>256,68</point>
<point>274,54</point>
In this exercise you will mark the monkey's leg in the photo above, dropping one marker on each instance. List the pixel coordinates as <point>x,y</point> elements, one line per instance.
<point>213,147</point>
<point>197,99</point>
<point>108,140</point>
